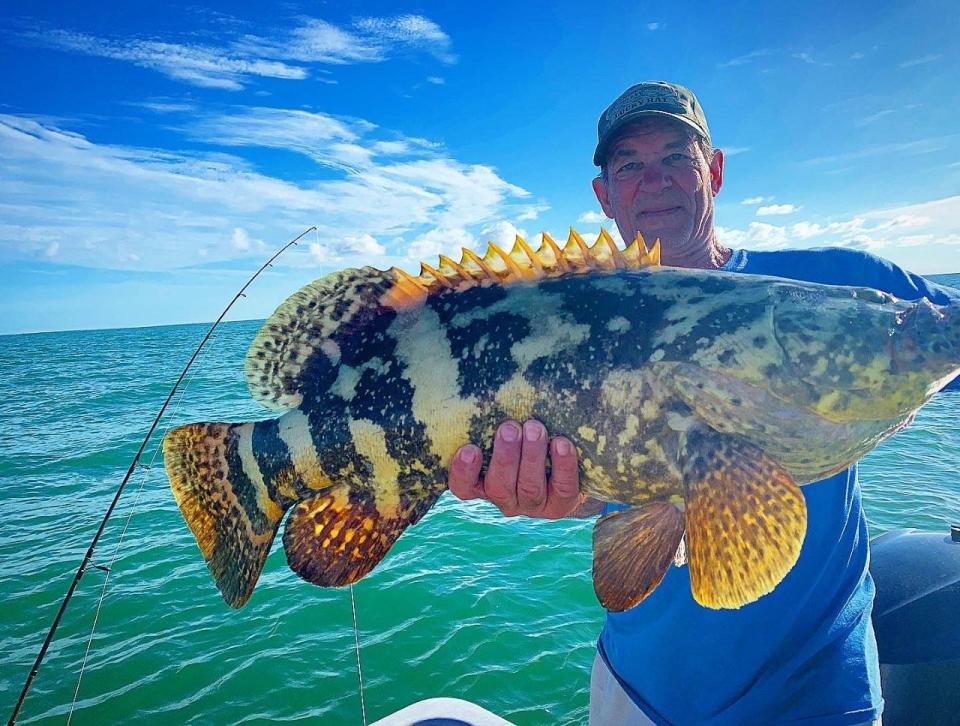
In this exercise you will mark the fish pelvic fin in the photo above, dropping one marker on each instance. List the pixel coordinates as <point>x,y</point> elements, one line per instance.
<point>632,551</point>
<point>746,519</point>
<point>225,502</point>
<point>337,538</point>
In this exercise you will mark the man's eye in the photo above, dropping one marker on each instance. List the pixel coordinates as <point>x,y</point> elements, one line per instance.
<point>628,167</point>
<point>676,157</point>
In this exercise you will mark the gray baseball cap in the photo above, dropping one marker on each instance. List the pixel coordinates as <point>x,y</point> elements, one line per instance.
<point>649,98</point>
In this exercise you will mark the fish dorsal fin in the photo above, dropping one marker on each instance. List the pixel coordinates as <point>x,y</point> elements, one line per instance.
<point>302,336</point>
<point>523,263</point>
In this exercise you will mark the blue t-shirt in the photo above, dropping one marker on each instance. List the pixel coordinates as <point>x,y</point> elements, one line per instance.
<point>806,651</point>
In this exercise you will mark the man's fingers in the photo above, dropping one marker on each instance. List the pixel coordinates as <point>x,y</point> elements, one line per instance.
<point>532,479</point>
<point>564,491</point>
<point>500,483</point>
<point>463,478</point>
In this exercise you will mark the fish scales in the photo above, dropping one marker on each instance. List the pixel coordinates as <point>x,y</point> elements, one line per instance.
<point>702,398</point>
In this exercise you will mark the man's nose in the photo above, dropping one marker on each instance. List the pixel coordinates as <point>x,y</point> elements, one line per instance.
<point>653,178</point>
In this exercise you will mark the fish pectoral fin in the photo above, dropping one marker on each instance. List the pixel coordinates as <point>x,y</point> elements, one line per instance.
<point>632,551</point>
<point>334,539</point>
<point>746,519</point>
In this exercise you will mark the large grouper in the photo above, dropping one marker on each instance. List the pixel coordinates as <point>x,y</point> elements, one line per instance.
<point>704,399</point>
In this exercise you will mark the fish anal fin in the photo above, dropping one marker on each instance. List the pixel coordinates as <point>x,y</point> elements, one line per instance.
<point>632,551</point>
<point>746,519</point>
<point>335,539</point>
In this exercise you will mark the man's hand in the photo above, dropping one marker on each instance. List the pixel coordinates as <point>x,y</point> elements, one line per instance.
<point>516,479</point>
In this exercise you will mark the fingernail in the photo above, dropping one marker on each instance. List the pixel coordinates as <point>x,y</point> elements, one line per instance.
<point>562,446</point>
<point>509,432</point>
<point>468,454</point>
<point>532,431</point>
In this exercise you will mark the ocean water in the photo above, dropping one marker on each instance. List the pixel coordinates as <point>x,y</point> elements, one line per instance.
<point>468,604</point>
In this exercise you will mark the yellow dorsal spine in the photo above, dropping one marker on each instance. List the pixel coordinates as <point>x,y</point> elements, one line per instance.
<point>522,263</point>
<point>548,245</point>
<point>513,270</point>
<point>469,256</point>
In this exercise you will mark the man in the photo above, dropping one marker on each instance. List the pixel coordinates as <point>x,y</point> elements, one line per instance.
<point>805,652</point>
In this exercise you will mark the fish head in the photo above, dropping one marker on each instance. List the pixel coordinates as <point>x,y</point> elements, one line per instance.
<point>862,354</point>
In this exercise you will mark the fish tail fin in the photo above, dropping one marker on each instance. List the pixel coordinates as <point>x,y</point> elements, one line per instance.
<point>337,537</point>
<point>225,501</point>
<point>632,551</point>
<point>746,519</point>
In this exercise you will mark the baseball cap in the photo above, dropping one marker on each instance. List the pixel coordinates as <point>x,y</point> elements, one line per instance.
<point>649,98</point>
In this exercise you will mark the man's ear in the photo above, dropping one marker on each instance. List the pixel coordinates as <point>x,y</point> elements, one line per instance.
<point>716,172</point>
<point>600,189</point>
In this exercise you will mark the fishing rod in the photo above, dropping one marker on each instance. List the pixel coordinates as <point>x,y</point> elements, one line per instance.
<point>130,470</point>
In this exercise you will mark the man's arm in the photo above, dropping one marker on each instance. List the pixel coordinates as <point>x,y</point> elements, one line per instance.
<point>516,479</point>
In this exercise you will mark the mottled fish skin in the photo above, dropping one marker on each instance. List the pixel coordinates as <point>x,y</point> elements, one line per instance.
<point>667,380</point>
<point>598,359</point>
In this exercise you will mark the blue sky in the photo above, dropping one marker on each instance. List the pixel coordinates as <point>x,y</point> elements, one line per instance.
<point>152,154</point>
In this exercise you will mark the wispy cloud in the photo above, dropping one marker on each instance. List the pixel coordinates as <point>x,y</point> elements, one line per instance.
<point>592,218</point>
<point>199,65</point>
<point>856,56</point>
<point>435,80</point>
<point>776,209</point>
<point>133,208</point>
<point>656,26</point>
<point>756,200</point>
<point>285,55</point>
<point>734,150</point>
<point>919,146</point>
<point>744,59</point>
<point>873,117</point>
<point>810,60</point>
<point>929,58</point>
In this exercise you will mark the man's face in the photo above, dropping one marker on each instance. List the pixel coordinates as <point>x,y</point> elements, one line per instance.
<point>659,183</point>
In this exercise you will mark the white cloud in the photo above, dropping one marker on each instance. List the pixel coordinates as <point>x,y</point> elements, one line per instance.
<point>338,249</point>
<point>775,209</point>
<point>856,56</point>
<point>115,206</point>
<point>440,241</point>
<point>234,65</point>
<point>922,60</point>
<point>435,80</point>
<point>756,200</point>
<point>806,230</point>
<point>502,233</point>
<point>240,239</point>
<point>199,65</point>
<point>592,217</point>
<point>655,26</point>
<point>933,225</point>
<point>757,235</point>
<point>411,30</point>
<point>734,150</point>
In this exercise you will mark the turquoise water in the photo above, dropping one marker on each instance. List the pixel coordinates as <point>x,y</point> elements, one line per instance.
<point>468,604</point>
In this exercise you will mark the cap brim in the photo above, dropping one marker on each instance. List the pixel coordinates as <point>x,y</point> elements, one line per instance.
<point>601,151</point>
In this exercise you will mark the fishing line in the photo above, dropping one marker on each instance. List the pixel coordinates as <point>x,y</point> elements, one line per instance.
<point>107,569</point>
<point>356,641</point>
<point>133,466</point>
